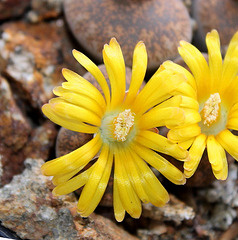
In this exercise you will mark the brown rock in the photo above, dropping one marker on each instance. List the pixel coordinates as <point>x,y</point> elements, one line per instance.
<point>215,14</point>
<point>13,8</point>
<point>160,24</point>
<point>46,9</point>
<point>31,57</point>
<point>14,127</point>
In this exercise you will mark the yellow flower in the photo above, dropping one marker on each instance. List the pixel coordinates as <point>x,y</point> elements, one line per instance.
<point>122,126</point>
<point>211,104</point>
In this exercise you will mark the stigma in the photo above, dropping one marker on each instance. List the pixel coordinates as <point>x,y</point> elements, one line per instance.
<point>122,124</point>
<point>211,109</point>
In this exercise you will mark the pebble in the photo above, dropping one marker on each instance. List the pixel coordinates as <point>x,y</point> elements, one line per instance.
<point>160,24</point>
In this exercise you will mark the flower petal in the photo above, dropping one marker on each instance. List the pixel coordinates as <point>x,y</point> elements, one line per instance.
<point>74,160</point>
<point>115,65</point>
<point>71,111</point>
<point>130,201</point>
<point>229,142</point>
<point>62,178</point>
<point>119,210</point>
<point>217,158</point>
<point>196,63</point>
<point>230,69</point>
<point>215,60</point>
<point>176,67</point>
<point>138,71</point>
<point>94,70</point>
<point>157,194</point>
<point>161,164</point>
<point>161,144</point>
<point>158,89</point>
<point>157,117</point>
<point>97,183</point>
<point>232,124</point>
<point>184,133</point>
<point>73,184</point>
<point>66,121</point>
<point>195,153</point>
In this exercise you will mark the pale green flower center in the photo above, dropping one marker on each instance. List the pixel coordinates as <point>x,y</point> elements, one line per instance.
<point>214,115</point>
<point>117,126</point>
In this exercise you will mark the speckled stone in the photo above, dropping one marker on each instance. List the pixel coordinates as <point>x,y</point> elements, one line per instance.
<point>160,24</point>
<point>13,8</point>
<point>28,207</point>
<point>30,55</point>
<point>215,14</point>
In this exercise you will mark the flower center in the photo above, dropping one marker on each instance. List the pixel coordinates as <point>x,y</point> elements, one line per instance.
<point>122,124</point>
<point>211,109</point>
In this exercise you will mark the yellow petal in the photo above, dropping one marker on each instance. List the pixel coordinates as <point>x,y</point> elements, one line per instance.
<point>229,142</point>
<point>81,100</point>
<point>232,124</point>
<point>94,70</point>
<point>161,164</point>
<point>158,89</point>
<point>78,84</point>
<point>184,133</point>
<point>114,62</point>
<point>186,144</point>
<point>175,67</point>
<point>97,183</point>
<point>195,153</point>
<point>230,64</point>
<point>161,144</point>
<point>74,160</point>
<point>138,71</point>
<point>157,117</point>
<point>157,194</point>
<point>58,179</point>
<point>186,90</point>
<point>70,111</point>
<point>119,210</point>
<point>73,184</point>
<point>130,201</point>
<point>66,121</point>
<point>217,158</point>
<point>197,64</point>
<point>215,60</point>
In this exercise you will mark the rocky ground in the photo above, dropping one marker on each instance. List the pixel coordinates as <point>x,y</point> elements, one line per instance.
<point>36,39</point>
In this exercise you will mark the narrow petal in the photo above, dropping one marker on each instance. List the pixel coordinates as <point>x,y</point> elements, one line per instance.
<point>74,160</point>
<point>195,153</point>
<point>229,142</point>
<point>76,113</point>
<point>73,184</point>
<point>232,124</point>
<point>217,158</point>
<point>78,84</point>
<point>97,183</point>
<point>80,100</point>
<point>66,121</point>
<point>161,144</point>
<point>196,63</point>
<point>130,201</point>
<point>158,89</point>
<point>157,194</point>
<point>184,133</point>
<point>158,117</point>
<point>161,164</point>
<point>215,59</point>
<point>186,144</point>
<point>176,67</point>
<point>119,210</point>
<point>186,90</point>
<point>138,71</point>
<point>94,70</point>
<point>62,178</point>
<point>115,65</point>
<point>230,64</point>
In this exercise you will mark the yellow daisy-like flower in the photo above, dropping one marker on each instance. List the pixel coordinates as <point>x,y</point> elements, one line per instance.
<point>212,104</point>
<point>122,126</point>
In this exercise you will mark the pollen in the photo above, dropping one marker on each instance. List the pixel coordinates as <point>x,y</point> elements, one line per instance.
<point>123,123</point>
<point>211,108</point>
